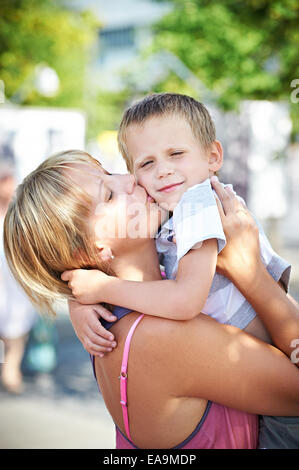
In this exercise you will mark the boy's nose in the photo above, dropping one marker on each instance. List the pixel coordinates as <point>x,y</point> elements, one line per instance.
<point>163,171</point>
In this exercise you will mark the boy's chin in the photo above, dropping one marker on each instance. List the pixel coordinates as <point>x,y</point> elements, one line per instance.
<point>168,206</point>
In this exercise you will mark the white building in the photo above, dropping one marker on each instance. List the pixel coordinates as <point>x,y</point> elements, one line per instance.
<point>126,30</point>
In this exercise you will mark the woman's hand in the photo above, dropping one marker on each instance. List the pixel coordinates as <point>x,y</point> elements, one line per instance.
<point>240,261</point>
<point>86,284</point>
<point>93,336</point>
<point>241,256</point>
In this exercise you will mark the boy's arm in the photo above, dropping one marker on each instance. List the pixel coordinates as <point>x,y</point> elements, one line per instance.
<point>179,299</point>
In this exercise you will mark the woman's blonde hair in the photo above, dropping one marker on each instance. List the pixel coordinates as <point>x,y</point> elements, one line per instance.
<point>45,230</point>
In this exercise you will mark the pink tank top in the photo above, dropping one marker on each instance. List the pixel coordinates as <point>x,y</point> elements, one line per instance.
<point>219,428</point>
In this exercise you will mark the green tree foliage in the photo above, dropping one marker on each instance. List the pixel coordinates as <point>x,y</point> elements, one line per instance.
<point>240,49</point>
<point>34,32</point>
<point>105,109</point>
<point>45,31</point>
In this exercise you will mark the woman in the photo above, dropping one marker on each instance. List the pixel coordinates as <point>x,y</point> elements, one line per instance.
<point>185,377</point>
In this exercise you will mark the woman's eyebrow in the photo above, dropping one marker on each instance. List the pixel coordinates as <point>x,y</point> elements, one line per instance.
<point>103,188</point>
<point>103,191</point>
<point>99,191</point>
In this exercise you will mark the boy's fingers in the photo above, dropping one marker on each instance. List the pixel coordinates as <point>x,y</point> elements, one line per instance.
<point>100,336</point>
<point>97,350</point>
<point>99,330</point>
<point>66,275</point>
<point>94,353</point>
<point>106,314</point>
<point>92,343</point>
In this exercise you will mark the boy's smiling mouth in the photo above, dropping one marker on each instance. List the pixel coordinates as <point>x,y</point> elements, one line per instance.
<point>169,188</point>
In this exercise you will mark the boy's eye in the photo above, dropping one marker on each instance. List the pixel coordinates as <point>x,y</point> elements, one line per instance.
<point>174,154</point>
<point>144,164</point>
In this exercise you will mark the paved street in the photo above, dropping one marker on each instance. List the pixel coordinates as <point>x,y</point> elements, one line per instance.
<point>65,409</point>
<point>59,410</point>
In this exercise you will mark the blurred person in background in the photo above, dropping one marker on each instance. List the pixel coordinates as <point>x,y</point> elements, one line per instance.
<point>17,314</point>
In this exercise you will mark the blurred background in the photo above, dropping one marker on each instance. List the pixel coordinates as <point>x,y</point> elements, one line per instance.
<point>68,69</point>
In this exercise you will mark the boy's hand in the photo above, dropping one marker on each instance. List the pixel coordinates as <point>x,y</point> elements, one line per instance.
<point>85,284</point>
<point>93,336</point>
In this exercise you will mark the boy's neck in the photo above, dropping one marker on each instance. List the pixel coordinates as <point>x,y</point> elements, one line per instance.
<point>138,265</point>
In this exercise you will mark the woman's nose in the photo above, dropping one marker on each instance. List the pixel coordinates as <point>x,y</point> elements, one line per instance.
<point>128,183</point>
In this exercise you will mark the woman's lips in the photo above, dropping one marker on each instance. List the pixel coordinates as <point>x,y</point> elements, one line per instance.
<point>170,188</point>
<point>148,196</point>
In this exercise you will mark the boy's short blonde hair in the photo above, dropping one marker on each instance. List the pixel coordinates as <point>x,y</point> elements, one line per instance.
<point>166,104</point>
<point>45,228</point>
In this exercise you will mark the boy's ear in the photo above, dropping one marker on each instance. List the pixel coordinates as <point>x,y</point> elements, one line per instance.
<point>215,156</point>
<point>104,251</point>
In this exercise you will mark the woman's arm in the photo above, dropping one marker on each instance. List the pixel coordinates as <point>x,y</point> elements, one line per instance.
<point>241,262</point>
<point>205,359</point>
<point>278,312</point>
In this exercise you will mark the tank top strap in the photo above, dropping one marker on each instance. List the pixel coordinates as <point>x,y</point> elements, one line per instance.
<point>124,376</point>
<point>119,312</point>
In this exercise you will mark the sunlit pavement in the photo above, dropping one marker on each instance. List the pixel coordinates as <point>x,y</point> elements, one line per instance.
<point>64,410</point>
<point>61,410</point>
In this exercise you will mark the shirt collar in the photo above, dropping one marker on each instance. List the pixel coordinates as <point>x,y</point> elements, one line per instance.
<point>166,228</point>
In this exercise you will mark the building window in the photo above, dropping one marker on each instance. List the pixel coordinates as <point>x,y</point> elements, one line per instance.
<point>120,38</point>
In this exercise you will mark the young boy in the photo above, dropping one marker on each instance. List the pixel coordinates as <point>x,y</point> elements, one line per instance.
<point>169,143</point>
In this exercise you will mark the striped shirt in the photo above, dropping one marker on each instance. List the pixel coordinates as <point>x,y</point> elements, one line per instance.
<point>195,219</point>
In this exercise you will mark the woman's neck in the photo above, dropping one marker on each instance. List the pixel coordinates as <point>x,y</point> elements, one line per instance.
<point>139,265</point>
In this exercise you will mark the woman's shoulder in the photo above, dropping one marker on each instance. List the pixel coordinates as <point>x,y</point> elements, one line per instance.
<point>168,337</point>
<point>169,349</point>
